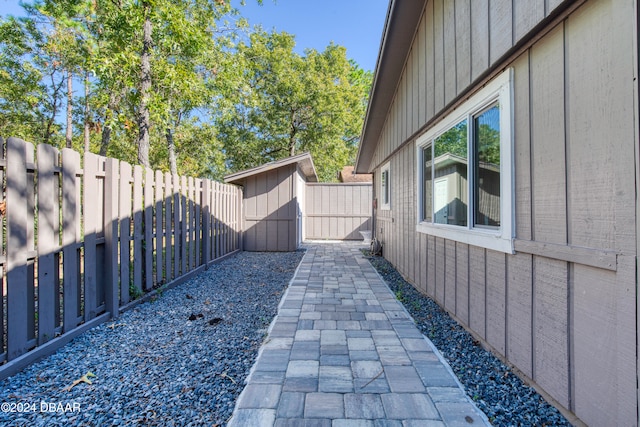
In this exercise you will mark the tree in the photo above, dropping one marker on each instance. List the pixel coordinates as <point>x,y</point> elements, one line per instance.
<point>288,103</point>
<point>32,81</point>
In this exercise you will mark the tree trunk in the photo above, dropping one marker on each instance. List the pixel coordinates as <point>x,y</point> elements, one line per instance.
<point>69,134</point>
<point>292,136</point>
<point>144,118</point>
<point>106,138</point>
<point>114,99</point>
<point>57,88</point>
<point>173,167</point>
<point>87,141</point>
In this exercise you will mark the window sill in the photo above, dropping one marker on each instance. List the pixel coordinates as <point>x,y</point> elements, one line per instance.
<point>488,239</point>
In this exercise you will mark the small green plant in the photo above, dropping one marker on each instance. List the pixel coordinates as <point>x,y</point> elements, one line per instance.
<point>134,292</point>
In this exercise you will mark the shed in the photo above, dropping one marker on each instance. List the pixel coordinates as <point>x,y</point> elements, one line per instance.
<point>273,205</point>
<point>503,139</point>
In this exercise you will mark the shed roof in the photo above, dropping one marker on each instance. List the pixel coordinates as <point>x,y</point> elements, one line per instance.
<point>304,160</point>
<point>403,18</point>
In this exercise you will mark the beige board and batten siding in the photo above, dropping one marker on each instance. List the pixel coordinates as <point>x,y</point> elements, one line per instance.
<point>337,211</point>
<point>272,209</point>
<point>562,308</point>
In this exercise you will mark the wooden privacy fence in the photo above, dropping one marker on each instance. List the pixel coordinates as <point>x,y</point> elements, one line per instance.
<point>80,243</point>
<point>337,211</point>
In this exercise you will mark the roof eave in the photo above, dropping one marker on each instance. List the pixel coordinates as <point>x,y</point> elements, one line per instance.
<point>403,18</point>
<point>304,161</point>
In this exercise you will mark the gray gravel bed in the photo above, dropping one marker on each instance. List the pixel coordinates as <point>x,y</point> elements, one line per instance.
<point>180,360</point>
<point>492,385</point>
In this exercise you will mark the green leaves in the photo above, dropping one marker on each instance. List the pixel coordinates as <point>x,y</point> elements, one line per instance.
<point>221,96</point>
<point>287,103</point>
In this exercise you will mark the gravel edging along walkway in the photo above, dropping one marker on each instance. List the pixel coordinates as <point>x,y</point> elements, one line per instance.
<point>179,360</point>
<point>496,390</point>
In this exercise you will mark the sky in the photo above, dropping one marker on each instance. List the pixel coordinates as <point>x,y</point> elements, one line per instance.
<point>354,24</point>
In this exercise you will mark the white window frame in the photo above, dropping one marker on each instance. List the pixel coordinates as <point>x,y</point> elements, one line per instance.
<point>501,238</point>
<point>385,205</point>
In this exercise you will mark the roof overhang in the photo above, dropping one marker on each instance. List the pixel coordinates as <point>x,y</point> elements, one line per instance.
<point>304,161</point>
<point>403,18</point>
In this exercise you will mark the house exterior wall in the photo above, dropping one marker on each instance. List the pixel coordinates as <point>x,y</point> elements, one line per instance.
<point>270,210</point>
<point>562,309</point>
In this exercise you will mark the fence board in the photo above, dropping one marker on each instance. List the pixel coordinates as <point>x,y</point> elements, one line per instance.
<point>70,239</point>
<point>148,229</point>
<point>48,238</point>
<point>137,228</point>
<point>125,230</point>
<point>218,216</point>
<point>206,221</point>
<point>3,353</point>
<point>91,204</point>
<point>110,227</point>
<point>159,228</point>
<point>192,224</point>
<point>228,220</point>
<point>17,294</point>
<point>31,277</point>
<point>177,235</point>
<point>168,227</point>
<point>183,224</point>
<point>198,219</point>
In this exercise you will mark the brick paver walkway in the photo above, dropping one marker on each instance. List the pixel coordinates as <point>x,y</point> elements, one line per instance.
<point>343,351</point>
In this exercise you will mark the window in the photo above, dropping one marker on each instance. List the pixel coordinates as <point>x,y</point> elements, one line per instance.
<point>385,195</point>
<point>464,171</point>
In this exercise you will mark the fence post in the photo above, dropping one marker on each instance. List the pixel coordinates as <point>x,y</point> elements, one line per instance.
<point>111,291</point>
<point>17,295</point>
<point>206,222</point>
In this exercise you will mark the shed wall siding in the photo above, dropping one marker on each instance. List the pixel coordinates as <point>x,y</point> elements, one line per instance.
<point>566,321</point>
<point>270,213</point>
